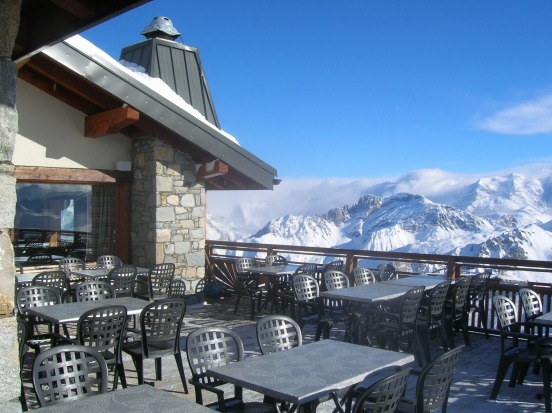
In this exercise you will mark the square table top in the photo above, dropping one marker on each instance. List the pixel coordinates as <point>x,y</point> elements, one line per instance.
<point>545,319</point>
<point>103,272</point>
<point>275,269</point>
<point>307,373</point>
<point>70,312</point>
<point>417,281</point>
<point>135,399</point>
<point>368,293</point>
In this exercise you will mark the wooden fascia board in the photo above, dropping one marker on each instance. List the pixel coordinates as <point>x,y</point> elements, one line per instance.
<point>109,122</point>
<point>211,169</point>
<point>69,175</point>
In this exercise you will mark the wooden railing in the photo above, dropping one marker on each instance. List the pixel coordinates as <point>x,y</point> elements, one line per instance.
<point>222,254</point>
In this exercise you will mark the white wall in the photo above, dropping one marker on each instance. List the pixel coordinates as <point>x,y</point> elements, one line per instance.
<point>51,135</point>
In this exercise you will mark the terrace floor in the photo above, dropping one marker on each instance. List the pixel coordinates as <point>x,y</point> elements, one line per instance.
<point>470,391</point>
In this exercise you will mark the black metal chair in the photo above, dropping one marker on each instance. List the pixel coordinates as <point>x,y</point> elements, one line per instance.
<point>397,321</point>
<point>477,299</point>
<point>363,276</point>
<point>68,372</point>
<point>123,280</point>
<point>22,333</point>
<point>382,396</point>
<point>37,296</point>
<point>160,277</point>
<point>519,349</point>
<point>38,259</point>
<point>433,384</point>
<point>430,317</point>
<point>108,261</point>
<point>274,259</point>
<point>387,272</point>
<point>178,288</point>
<point>211,346</point>
<point>309,308</point>
<point>56,278</point>
<point>455,311</point>
<point>103,329</point>
<point>159,336</point>
<point>247,284</point>
<point>94,290</point>
<point>278,332</point>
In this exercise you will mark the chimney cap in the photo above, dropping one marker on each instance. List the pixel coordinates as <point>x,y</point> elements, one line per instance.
<point>159,25</point>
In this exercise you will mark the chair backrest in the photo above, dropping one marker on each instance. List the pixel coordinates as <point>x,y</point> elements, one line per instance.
<point>40,258</point>
<point>274,259</point>
<point>410,304</point>
<point>68,372</point>
<point>108,261</point>
<point>436,299</point>
<point>123,280</point>
<point>387,272</point>
<point>531,303</point>
<point>102,328</point>
<point>68,264</point>
<point>37,296</point>
<point>212,346</point>
<point>384,395</point>
<point>459,296</point>
<point>243,264</point>
<point>308,269</point>
<point>363,276</point>
<point>433,386</point>
<point>505,310</point>
<point>160,278</point>
<point>305,287</point>
<point>178,288</point>
<point>94,290</point>
<point>478,286</point>
<point>335,280</point>
<point>200,286</point>
<point>160,322</point>
<point>334,265</point>
<point>278,332</point>
<point>56,279</point>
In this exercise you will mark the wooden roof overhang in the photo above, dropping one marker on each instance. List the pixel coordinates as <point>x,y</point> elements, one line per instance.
<point>47,22</point>
<point>115,101</point>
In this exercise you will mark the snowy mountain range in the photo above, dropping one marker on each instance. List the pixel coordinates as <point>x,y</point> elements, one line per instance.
<point>507,216</point>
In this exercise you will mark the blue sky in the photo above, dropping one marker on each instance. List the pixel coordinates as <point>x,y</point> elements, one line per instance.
<point>369,89</point>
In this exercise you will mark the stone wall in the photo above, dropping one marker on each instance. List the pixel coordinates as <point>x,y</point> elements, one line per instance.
<point>167,209</point>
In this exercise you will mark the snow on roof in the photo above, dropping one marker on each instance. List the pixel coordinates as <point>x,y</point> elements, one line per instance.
<point>140,75</point>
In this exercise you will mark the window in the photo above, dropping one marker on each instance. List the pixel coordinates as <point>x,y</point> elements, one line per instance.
<point>65,219</point>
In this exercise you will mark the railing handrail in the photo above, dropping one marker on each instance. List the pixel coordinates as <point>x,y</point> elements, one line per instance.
<point>452,262</point>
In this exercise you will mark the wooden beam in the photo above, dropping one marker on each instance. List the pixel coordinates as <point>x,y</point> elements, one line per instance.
<point>69,175</point>
<point>211,169</point>
<point>109,122</point>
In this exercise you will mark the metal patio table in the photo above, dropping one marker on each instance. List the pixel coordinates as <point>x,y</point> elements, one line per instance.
<point>273,273</point>
<point>306,375</point>
<point>71,312</point>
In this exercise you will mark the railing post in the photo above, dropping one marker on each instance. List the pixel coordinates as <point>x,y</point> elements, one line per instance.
<point>350,263</point>
<point>453,269</point>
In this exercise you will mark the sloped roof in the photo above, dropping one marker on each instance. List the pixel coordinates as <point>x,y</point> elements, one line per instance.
<point>87,79</point>
<point>46,22</point>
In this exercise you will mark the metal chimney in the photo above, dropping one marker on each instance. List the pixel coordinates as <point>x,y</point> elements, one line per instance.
<point>178,65</point>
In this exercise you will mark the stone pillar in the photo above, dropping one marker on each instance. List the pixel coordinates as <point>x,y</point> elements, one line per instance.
<point>9,360</point>
<point>168,209</point>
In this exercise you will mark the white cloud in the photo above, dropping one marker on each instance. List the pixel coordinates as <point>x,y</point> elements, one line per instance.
<point>525,118</point>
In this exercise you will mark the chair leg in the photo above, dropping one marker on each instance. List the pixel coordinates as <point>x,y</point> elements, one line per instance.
<point>178,359</point>
<point>119,372</point>
<point>238,297</point>
<point>139,365</point>
<point>465,332</point>
<point>423,339</point>
<point>546,371</point>
<point>500,374</point>
<point>158,371</point>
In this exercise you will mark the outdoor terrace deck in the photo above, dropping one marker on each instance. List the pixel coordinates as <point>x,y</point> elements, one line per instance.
<point>469,393</point>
